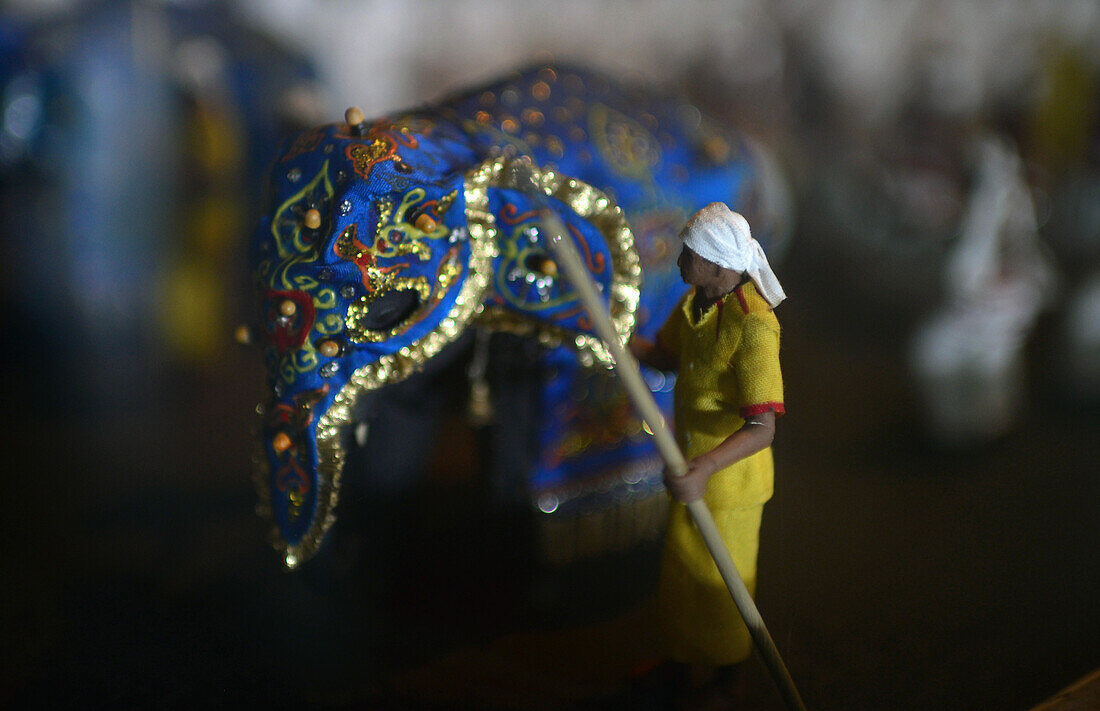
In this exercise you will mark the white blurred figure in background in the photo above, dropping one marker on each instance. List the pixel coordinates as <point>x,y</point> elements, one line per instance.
<point>967,358</point>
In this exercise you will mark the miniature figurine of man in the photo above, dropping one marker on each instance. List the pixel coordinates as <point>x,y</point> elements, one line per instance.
<point>723,338</point>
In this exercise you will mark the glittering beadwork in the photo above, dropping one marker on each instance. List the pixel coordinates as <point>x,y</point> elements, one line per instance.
<point>391,237</point>
<point>397,366</point>
<point>593,206</point>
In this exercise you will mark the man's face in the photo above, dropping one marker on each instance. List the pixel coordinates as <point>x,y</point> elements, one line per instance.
<point>696,271</point>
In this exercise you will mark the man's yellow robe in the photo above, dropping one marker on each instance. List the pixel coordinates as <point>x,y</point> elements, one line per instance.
<point>728,371</point>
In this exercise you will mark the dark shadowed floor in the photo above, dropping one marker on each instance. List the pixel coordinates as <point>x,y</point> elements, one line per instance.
<point>892,575</point>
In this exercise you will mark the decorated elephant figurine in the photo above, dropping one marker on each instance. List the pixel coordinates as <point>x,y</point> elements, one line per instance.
<point>385,240</point>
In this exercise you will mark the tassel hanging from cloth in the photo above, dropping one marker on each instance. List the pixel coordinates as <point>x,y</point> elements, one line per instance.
<point>479,408</point>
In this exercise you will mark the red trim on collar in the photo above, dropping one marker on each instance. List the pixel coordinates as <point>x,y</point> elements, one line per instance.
<point>741,298</point>
<point>760,409</point>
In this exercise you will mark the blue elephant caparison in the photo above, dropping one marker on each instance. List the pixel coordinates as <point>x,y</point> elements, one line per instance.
<point>387,239</point>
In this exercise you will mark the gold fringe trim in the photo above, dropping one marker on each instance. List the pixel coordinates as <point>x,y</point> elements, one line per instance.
<point>626,275</point>
<point>397,366</point>
<point>608,218</point>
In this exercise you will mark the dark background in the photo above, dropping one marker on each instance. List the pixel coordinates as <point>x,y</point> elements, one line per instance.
<point>895,572</point>
<point>893,576</point>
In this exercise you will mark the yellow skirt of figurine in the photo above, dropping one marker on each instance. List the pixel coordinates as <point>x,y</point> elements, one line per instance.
<point>700,622</point>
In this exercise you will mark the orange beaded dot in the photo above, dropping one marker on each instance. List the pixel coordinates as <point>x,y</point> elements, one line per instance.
<point>425,223</point>
<point>281,442</point>
<point>288,308</point>
<point>354,116</point>
<point>548,267</point>
<point>243,335</point>
<point>312,219</point>
<point>717,150</point>
<point>329,349</point>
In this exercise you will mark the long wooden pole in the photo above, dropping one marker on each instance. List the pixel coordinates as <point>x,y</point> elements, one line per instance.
<point>626,366</point>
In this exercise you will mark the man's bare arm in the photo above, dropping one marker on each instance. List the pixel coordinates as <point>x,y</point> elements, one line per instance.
<point>756,434</point>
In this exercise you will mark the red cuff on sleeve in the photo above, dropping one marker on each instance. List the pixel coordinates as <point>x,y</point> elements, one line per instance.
<point>750,410</point>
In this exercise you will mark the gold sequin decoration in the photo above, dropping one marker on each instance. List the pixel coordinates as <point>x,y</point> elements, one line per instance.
<point>390,369</point>
<point>294,505</point>
<point>357,311</point>
<point>481,224</point>
<point>626,272</point>
<point>445,203</point>
<point>364,156</point>
<point>379,280</point>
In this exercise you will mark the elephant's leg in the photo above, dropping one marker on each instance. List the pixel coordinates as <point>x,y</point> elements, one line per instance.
<point>516,377</point>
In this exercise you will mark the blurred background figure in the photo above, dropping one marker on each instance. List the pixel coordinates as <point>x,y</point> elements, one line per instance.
<point>133,139</point>
<point>967,358</point>
<point>944,272</point>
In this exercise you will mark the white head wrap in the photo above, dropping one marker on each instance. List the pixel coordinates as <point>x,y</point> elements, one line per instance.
<point>719,235</point>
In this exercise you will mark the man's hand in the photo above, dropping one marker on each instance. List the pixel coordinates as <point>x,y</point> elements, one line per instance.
<point>755,435</point>
<point>691,486</point>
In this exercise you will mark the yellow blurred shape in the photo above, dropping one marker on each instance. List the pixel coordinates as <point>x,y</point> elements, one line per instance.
<point>190,313</point>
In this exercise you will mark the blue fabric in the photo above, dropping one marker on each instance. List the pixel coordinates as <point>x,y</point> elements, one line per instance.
<point>653,154</point>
